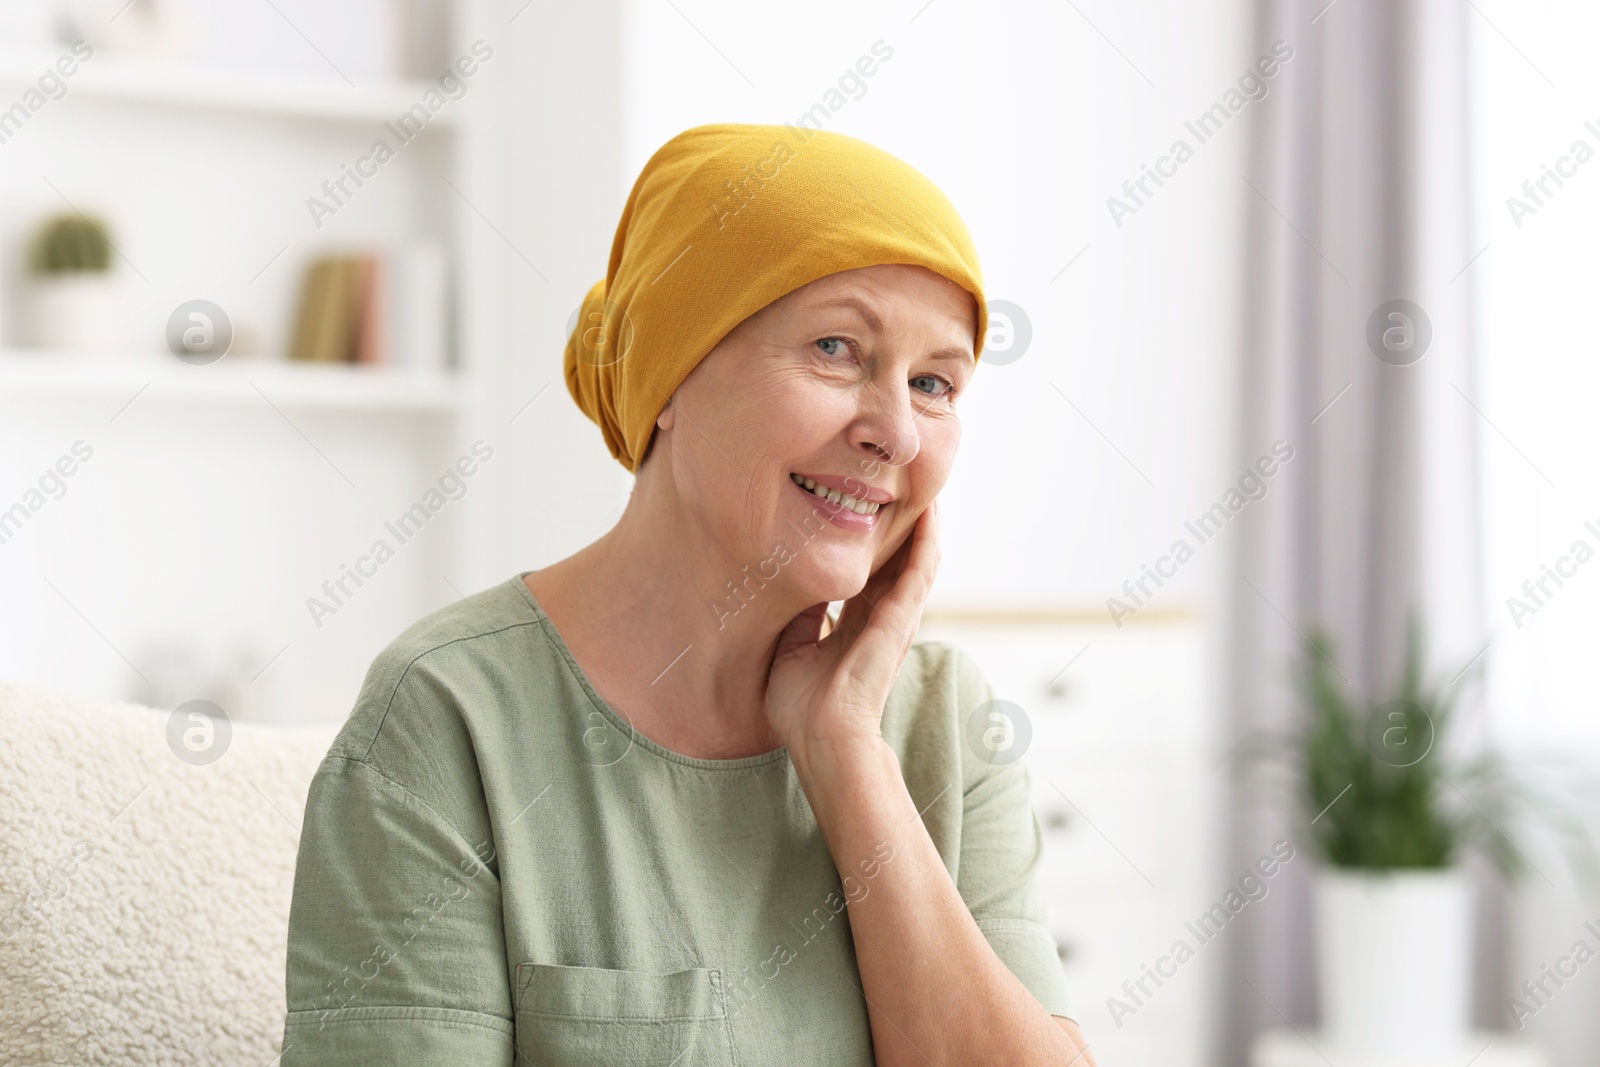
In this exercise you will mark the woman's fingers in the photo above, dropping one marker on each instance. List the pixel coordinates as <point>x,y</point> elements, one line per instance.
<point>840,682</point>
<point>900,609</point>
<point>858,609</point>
<point>887,612</point>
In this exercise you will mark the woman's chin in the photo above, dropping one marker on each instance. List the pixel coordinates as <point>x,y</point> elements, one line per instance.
<point>823,583</point>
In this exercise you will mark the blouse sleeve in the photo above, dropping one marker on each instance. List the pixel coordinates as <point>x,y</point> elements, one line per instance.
<point>395,945</point>
<point>1002,848</point>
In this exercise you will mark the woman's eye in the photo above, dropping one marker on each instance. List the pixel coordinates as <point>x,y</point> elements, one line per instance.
<point>949,386</point>
<point>949,390</point>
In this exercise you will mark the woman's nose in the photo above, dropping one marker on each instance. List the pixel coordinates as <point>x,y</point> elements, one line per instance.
<point>886,428</point>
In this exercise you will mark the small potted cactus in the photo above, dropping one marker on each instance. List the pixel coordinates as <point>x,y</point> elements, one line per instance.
<point>74,299</point>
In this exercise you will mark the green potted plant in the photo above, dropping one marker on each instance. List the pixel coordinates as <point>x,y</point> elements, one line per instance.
<point>73,299</point>
<point>1390,815</point>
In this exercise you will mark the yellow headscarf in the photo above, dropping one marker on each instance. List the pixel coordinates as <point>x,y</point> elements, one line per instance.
<point>722,221</point>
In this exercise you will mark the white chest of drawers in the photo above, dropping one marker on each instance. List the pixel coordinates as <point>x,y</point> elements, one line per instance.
<point>1127,785</point>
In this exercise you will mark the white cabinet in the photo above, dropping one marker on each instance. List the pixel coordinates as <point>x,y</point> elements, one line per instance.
<point>1126,788</point>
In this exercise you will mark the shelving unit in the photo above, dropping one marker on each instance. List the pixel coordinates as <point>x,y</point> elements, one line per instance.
<point>156,89</point>
<point>288,96</point>
<point>352,387</point>
<point>203,173</point>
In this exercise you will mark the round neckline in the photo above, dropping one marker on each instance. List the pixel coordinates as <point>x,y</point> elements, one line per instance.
<point>777,755</point>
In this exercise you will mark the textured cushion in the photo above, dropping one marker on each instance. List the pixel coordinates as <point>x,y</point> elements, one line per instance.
<point>144,898</point>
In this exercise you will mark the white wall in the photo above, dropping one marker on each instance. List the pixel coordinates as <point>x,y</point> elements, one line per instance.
<point>1028,119</point>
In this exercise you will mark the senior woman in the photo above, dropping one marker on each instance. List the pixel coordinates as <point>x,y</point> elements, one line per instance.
<point>651,804</point>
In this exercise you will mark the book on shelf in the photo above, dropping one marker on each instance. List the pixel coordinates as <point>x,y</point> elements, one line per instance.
<point>369,345</point>
<point>330,310</point>
<point>374,308</point>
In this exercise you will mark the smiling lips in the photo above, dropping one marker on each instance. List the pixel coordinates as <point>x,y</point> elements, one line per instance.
<point>866,502</point>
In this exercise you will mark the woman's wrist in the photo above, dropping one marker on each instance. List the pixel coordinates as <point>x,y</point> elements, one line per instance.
<point>829,755</point>
<point>848,771</point>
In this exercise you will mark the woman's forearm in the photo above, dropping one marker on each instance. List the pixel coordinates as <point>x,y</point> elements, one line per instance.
<point>937,994</point>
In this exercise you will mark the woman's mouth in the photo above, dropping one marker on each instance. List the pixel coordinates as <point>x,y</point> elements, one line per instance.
<point>834,496</point>
<point>840,508</point>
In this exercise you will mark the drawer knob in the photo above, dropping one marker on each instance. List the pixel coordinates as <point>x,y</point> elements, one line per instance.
<point>1063,950</point>
<point>1057,820</point>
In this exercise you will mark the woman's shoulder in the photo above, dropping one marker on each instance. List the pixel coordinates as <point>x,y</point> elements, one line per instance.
<point>939,720</point>
<point>936,667</point>
<point>937,690</point>
<point>497,609</point>
<point>417,686</point>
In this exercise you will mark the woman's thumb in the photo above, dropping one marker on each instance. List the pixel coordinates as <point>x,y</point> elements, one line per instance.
<point>804,629</point>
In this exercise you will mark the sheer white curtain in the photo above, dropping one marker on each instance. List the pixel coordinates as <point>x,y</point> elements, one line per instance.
<point>1357,198</point>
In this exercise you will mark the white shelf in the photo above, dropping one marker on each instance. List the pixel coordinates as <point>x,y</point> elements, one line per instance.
<point>1483,1048</point>
<point>295,96</point>
<point>340,387</point>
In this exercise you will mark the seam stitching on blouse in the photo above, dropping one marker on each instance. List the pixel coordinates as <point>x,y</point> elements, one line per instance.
<point>435,812</point>
<point>646,1019</point>
<point>413,662</point>
<point>1002,922</point>
<point>462,1017</point>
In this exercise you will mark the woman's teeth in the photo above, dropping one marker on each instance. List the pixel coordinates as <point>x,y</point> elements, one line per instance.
<point>845,500</point>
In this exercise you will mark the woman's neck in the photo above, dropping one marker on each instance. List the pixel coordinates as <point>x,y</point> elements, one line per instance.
<point>650,618</point>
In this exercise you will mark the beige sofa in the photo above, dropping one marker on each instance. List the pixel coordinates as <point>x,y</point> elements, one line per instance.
<point>144,881</point>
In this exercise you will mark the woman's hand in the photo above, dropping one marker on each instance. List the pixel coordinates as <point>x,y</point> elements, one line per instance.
<point>834,689</point>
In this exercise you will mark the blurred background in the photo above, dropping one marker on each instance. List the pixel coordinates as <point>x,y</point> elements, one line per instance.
<point>1288,335</point>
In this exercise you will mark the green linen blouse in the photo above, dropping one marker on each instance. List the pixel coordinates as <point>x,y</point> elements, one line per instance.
<point>495,869</point>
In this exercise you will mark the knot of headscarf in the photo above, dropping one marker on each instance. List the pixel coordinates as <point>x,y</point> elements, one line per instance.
<point>722,221</point>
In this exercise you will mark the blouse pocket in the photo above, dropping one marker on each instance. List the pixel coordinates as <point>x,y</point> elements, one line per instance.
<point>589,1016</point>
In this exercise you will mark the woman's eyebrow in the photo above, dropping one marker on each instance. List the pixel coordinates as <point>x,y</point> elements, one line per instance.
<point>874,323</point>
<point>856,304</point>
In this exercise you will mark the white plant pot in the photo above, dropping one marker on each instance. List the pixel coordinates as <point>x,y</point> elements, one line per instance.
<point>82,311</point>
<point>1395,960</point>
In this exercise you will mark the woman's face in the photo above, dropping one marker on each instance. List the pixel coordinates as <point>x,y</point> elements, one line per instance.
<point>851,381</point>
